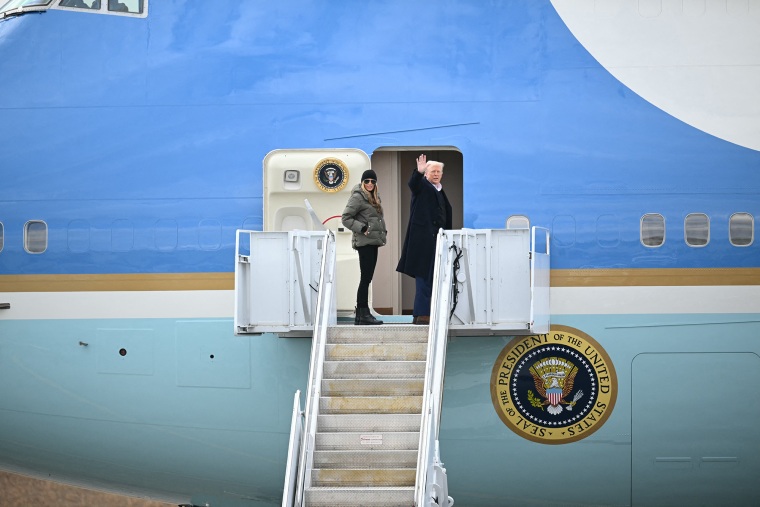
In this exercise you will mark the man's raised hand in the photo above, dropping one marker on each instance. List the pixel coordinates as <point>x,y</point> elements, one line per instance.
<point>422,163</point>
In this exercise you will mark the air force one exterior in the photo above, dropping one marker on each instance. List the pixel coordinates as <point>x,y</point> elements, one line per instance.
<point>137,137</point>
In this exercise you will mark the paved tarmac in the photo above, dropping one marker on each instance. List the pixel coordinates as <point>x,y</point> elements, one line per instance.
<point>20,491</point>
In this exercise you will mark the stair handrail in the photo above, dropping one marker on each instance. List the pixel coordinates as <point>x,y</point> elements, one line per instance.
<point>294,450</point>
<point>431,476</point>
<point>326,316</point>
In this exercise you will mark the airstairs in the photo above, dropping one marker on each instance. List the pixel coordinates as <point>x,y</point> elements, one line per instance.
<point>370,405</point>
<point>368,435</point>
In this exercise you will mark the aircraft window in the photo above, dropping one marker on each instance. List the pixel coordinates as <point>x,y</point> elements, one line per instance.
<point>518,222</point>
<point>137,7</point>
<point>122,235</point>
<point>12,7</point>
<point>80,4</point>
<point>35,236</point>
<point>607,231</point>
<point>652,230</point>
<point>697,229</point>
<point>79,236</point>
<point>131,6</point>
<point>2,236</point>
<point>741,229</point>
<point>210,234</point>
<point>166,235</point>
<point>563,230</point>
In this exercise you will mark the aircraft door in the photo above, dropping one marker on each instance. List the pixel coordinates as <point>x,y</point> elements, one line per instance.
<point>325,177</point>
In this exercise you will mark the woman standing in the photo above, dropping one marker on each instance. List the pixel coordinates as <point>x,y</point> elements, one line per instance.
<point>364,216</point>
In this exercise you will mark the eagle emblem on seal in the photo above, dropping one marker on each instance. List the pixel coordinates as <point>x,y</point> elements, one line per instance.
<point>554,378</point>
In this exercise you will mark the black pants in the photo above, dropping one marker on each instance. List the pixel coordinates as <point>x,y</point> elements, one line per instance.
<point>367,263</point>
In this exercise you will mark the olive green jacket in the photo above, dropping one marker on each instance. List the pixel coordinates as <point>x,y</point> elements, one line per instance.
<point>359,213</point>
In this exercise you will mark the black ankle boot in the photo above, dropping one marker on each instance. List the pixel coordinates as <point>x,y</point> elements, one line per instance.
<point>365,318</point>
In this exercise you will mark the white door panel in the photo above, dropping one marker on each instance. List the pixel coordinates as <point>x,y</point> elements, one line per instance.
<point>290,176</point>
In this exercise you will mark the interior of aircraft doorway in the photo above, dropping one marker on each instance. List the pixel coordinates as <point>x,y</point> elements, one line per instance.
<point>392,292</point>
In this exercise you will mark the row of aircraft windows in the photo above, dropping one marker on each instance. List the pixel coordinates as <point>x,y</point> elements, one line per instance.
<point>134,8</point>
<point>741,229</point>
<point>120,237</point>
<point>741,233</point>
<point>696,227</point>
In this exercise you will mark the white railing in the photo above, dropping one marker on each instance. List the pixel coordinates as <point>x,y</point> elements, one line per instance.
<point>294,450</point>
<point>277,281</point>
<point>539,280</point>
<point>326,315</point>
<point>502,282</point>
<point>431,482</point>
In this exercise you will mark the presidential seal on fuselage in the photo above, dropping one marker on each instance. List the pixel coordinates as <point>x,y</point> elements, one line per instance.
<point>554,388</point>
<point>330,174</point>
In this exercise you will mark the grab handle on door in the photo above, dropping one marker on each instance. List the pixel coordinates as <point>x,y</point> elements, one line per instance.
<point>5,306</point>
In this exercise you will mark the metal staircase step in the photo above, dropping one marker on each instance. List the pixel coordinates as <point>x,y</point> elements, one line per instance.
<point>389,441</point>
<point>377,334</point>
<point>372,387</point>
<point>374,369</point>
<point>369,422</point>
<point>376,458</point>
<point>370,405</point>
<point>376,351</point>
<point>347,477</point>
<point>360,497</point>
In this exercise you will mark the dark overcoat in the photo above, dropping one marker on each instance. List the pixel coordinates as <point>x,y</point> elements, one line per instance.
<point>430,211</point>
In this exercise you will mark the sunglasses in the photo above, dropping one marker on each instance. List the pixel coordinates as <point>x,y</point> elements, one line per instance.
<point>367,182</point>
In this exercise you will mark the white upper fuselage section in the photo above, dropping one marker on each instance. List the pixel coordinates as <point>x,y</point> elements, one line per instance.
<point>698,60</point>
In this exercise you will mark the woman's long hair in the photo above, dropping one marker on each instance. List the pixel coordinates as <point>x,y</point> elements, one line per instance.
<point>373,198</point>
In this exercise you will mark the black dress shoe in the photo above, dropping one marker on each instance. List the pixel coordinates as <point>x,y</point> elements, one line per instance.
<point>423,320</point>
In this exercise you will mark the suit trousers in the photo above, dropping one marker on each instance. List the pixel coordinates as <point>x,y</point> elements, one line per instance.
<point>422,296</point>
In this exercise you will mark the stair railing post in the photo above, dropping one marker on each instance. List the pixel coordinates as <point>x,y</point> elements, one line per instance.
<point>294,450</point>
<point>434,372</point>
<point>325,316</point>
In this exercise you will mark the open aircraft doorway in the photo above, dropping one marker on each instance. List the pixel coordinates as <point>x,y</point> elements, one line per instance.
<point>325,177</point>
<point>392,292</point>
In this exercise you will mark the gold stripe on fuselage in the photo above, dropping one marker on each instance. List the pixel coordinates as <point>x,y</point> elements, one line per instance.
<point>120,282</point>
<point>640,277</point>
<point>654,277</point>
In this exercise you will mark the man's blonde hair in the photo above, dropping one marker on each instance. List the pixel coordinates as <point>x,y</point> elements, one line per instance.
<point>432,163</point>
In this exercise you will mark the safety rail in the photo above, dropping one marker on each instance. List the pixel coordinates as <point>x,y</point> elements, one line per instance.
<point>486,281</point>
<point>277,281</point>
<point>431,487</point>
<point>502,282</point>
<point>325,316</point>
<point>539,281</point>
<point>294,450</point>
